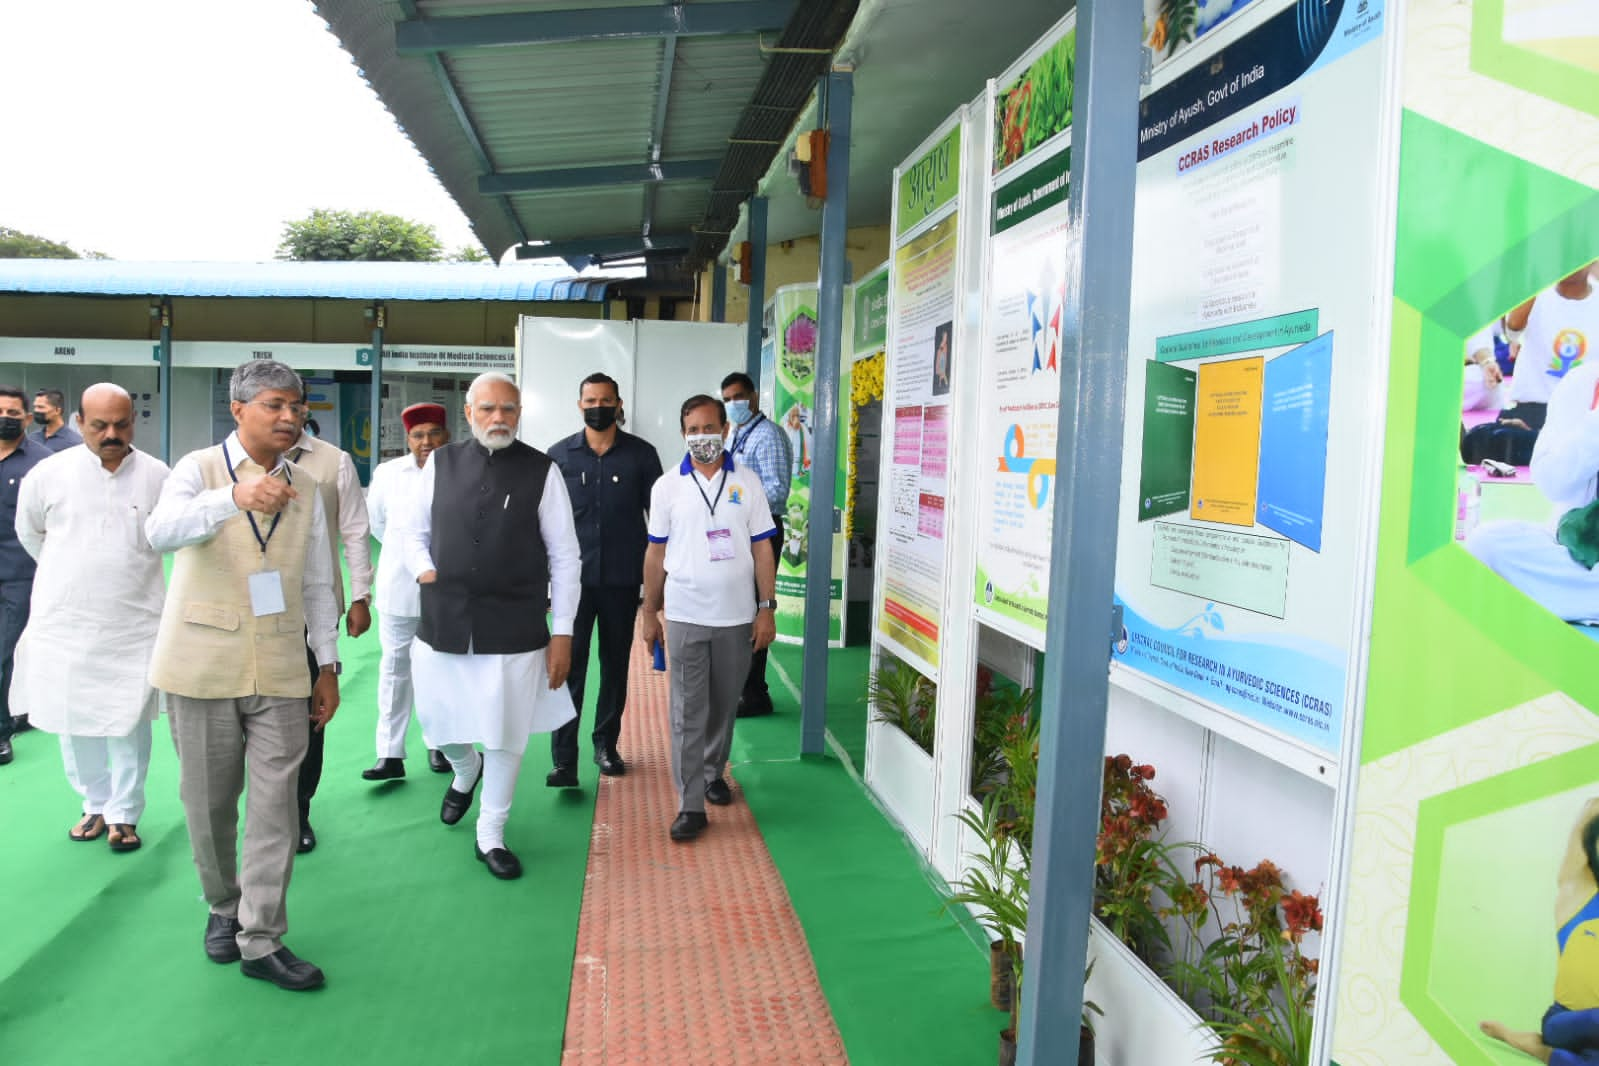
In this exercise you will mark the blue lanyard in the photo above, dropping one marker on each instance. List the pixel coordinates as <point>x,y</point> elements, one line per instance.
<point>741,439</point>
<point>259,539</point>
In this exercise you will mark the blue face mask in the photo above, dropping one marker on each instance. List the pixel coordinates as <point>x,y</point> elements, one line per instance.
<point>738,411</point>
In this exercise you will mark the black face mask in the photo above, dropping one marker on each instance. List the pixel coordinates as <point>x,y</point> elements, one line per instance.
<point>41,418</point>
<point>599,419</point>
<point>10,428</point>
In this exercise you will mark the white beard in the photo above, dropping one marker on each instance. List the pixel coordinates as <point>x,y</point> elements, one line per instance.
<point>495,437</point>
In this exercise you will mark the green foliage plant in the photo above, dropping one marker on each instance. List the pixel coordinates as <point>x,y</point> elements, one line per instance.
<point>903,698</point>
<point>1136,870</point>
<point>997,884</point>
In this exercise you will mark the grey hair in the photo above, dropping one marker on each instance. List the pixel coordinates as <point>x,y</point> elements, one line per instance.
<point>488,376</point>
<point>253,378</point>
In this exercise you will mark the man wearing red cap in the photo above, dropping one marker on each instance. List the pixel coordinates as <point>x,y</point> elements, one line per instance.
<point>399,603</point>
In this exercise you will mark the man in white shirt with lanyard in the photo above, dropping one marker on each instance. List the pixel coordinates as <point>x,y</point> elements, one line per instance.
<point>704,567</point>
<point>251,585</point>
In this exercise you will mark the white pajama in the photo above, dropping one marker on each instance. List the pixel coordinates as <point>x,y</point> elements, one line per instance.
<point>495,791</point>
<point>109,773</point>
<point>396,693</point>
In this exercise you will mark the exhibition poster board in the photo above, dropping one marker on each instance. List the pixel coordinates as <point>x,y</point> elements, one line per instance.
<point>794,339</point>
<point>1024,303</point>
<point>1253,351</point>
<point>1479,758</point>
<point>917,409</point>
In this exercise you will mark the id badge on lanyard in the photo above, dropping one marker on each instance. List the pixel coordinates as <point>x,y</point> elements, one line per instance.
<point>266,586</point>
<point>720,542</point>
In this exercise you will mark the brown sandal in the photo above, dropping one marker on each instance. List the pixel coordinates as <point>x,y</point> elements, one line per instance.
<point>91,828</point>
<point>124,837</point>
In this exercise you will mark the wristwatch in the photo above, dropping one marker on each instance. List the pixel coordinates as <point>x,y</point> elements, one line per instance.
<point>336,667</point>
<point>766,605</point>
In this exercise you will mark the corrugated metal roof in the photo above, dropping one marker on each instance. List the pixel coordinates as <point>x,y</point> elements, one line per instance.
<point>339,281</point>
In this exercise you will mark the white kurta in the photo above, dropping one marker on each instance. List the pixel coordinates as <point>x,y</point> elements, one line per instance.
<point>497,701</point>
<point>82,664</point>
<point>388,506</point>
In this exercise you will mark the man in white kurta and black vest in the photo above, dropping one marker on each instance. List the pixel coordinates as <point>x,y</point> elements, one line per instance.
<point>345,508</point>
<point>251,584</point>
<point>492,542</point>
<point>82,662</point>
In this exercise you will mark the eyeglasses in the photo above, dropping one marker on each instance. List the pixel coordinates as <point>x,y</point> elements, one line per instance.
<point>277,407</point>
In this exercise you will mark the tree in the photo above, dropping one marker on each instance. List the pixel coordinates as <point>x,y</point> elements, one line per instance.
<point>366,235</point>
<point>14,244</point>
<point>470,253</point>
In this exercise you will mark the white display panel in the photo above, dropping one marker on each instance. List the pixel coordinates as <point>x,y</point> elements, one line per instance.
<point>675,360</point>
<point>553,356</point>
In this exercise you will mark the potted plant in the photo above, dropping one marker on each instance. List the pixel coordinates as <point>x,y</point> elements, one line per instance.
<point>996,884</point>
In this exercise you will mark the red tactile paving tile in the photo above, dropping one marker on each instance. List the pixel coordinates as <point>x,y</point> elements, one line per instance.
<point>686,953</point>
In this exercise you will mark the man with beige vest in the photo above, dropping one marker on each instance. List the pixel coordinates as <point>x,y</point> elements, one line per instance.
<point>342,503</point>
<point>251,586</point>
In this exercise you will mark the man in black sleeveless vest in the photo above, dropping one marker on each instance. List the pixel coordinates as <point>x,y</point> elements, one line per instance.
<point>492,542</point>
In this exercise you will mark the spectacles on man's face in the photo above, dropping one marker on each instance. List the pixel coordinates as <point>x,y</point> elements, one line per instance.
<point>278,407</point>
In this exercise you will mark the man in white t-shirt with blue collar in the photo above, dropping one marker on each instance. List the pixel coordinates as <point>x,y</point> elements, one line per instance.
<point>705,516</point>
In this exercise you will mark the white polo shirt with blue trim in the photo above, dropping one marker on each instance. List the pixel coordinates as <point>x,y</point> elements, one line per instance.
<point>708,526</point>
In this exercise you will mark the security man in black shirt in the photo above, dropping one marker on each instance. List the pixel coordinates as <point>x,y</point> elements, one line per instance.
<point>609,474</point>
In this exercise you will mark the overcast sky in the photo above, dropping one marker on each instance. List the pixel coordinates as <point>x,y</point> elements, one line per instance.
<point>193,129</point>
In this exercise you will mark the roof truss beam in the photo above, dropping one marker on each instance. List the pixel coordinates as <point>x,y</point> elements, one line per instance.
<point>423,36</point>
<point>590,177</point>
<point>587,248</point>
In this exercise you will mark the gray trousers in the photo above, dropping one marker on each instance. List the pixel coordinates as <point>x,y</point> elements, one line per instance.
<point>708,665</point>
<point>219,742</point>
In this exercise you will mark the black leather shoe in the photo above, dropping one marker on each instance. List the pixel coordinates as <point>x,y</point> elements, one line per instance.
<point>688,826</point>
<point>437,762</point>
<point>562,777</point>
<point>456,803</point>
<point>20,724</point>
<point>285,970</point>
<point>718,793</point>
<point>755,708</point>
<point>6,754</point>
<point>500,861</point>
<point>385,770</point>
<point>221,944</point>
<point>609,762</point>
<point>307,839</point>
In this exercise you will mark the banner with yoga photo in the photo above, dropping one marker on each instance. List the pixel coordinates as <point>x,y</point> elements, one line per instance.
<point>1474,860</point>
<point>793,339</point>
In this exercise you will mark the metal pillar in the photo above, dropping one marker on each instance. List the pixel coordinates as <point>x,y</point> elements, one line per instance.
<point>164,378</point>
<point>375,432</point>
<point>718,292</point>
<point>757,310</point>
<point>1093,388</point>
<point>837,90</point>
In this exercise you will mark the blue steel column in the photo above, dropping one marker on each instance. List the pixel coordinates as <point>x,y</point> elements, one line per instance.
<point>164,380</point>
<point>1093,391</point>
<point>718,292</point>
<point>838,88</point>
<point>376,431</point>
<point>757,309</point>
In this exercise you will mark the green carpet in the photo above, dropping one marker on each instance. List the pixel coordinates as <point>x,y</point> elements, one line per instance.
<point>905,982</point>
<point>429,959</point>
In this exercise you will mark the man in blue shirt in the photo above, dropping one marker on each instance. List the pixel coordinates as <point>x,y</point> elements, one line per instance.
<point>50,420</point>
<point>17,457</point>
<point>758,443</point>
<point>609,474</point>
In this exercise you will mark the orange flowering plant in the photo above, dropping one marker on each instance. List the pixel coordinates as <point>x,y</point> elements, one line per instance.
<point>1240,960</point>
<point>1135,870</point>
<point>1252,980</point>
